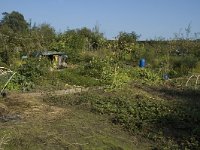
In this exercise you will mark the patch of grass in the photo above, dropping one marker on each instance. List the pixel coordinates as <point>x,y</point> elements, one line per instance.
<point>73,77</point>
<point>61,79</point>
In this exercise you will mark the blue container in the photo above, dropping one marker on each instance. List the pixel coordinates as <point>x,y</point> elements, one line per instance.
<point>142,63</point>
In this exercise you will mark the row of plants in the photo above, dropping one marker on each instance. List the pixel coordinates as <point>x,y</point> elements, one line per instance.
<point>96,72</point>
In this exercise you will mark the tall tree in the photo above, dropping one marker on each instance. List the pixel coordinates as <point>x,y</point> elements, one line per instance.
<point>45,35</point>
<point>15,21</point>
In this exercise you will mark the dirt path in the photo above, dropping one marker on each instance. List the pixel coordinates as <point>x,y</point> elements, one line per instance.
<point>34,102</point>
<point>57,92</point>
<point>31,105</point>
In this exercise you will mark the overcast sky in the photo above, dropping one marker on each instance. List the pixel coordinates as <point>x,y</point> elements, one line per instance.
<point>148,18</point>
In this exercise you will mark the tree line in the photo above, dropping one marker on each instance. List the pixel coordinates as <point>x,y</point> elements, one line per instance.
<point>178,56</point>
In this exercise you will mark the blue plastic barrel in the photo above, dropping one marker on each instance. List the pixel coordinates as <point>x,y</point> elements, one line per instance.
<point>142,63</point>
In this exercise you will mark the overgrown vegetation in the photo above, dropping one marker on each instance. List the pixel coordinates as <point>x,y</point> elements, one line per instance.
<point>170,124</point>
<point>142,100</point>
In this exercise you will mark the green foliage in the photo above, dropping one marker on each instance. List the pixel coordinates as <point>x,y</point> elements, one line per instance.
<point>73,77</point>
<point>177,57</point>
<point>97,41</point>
<point>17,83</point>
<point>146,75</point>
<point>35,68</point>
<point>14,21</point>
<point>126,45</point>
<point>94,38</point>
<point>20,82</point>
<point>140,113</point>
<point>28,74</point>
<point>3,79</point>
<point>107,72</point>
<point>46,35</point>
<point>115,77</point>
<point>183,65</point>
<point>95,67</point>
<point>126,38</point>
<point>109,63</point>
<point>76,41</point>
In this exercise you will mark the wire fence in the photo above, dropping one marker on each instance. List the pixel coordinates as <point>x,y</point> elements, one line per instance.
<point>193,81</point>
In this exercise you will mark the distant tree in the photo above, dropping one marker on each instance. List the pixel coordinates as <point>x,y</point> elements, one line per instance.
<point>94,37</point>
<point>44,35</point>
<point>74,41</point>
<point>126,43</point>
<point>15,21</point>
<point>98,39</point>
<point>10,44</point>
<point>125,38</point>
<point>85,32</point>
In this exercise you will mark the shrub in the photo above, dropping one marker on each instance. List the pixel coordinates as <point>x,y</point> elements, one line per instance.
<point>115,77</point>
<point>183,65</point>
<point>73,77</point>
<point>108,72</point>
<point>95,67</point>
<point>146,75</point>
<point>34,68</point>
<point>20,82</point>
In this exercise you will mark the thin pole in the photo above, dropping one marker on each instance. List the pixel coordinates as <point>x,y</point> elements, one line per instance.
<point>7,82</point>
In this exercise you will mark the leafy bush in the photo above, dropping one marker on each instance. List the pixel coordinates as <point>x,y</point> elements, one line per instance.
<point>108,72</point>
<point>34,68</point>
<point>145,75</point>
<point>19,82</point>
<point>114,77</point>
<point>95,67</point>
<point>73,77</point>
<point>184,65</point>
